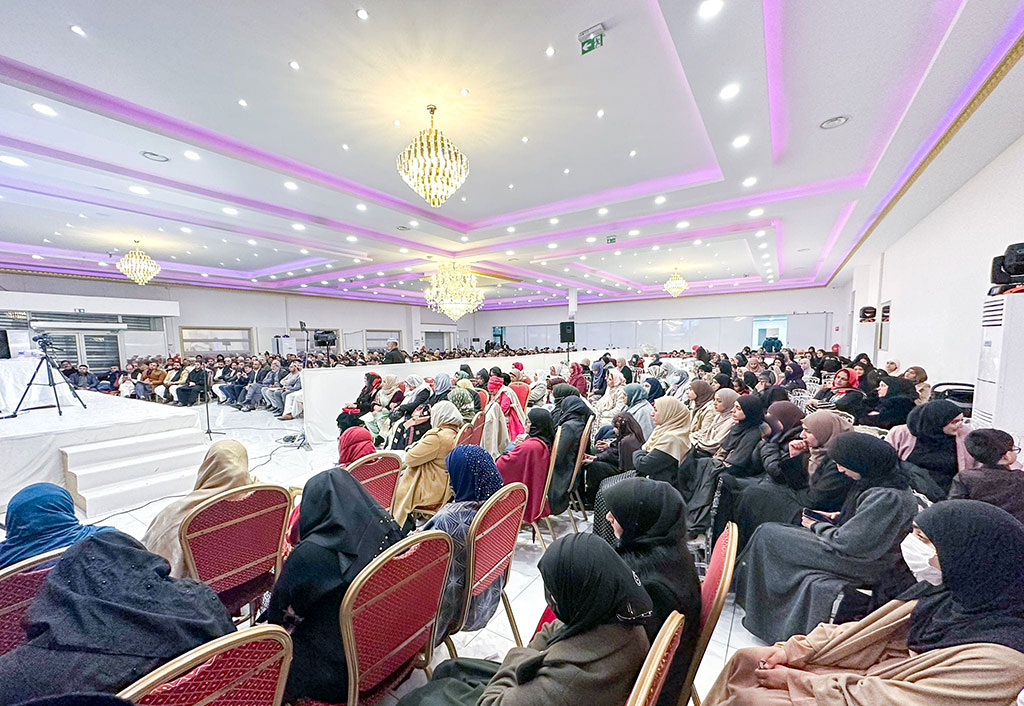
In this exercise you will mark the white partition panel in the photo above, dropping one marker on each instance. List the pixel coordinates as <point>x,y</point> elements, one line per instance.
<point>648,333</point>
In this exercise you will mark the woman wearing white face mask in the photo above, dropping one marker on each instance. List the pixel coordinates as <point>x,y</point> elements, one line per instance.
<point>960,643</point>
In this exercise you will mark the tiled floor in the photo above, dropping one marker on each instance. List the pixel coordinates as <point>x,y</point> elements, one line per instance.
<point>261,434</point>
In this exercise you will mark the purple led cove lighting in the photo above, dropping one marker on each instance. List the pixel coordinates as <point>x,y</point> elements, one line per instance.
<point>780,245</point>
<point>603,198</point>
<point>844,215</point>
<point>105,104</point>
<point>246,202</point>
<point>197,221</point>
<point>777,114</point>
<point>857,181</point>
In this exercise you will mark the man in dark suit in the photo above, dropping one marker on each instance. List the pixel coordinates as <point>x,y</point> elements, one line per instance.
<point>393,355</point>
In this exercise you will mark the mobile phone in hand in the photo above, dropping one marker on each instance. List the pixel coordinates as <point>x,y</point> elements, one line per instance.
<point>818,516</point>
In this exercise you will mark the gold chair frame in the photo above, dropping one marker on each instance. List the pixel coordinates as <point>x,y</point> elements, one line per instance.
<point>373,457</point>
<point>673,624</point>
<point>547,485</point>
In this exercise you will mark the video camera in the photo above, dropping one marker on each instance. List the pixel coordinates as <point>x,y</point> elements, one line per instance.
<point>1008,269</point>
<point>325,338</point>
<point>44,340</point>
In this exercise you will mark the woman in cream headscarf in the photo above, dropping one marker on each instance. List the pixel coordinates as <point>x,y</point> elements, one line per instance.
<point>388,397</point>
<point>225,467</point>
<point>424,483</point>
<point>612,401</point>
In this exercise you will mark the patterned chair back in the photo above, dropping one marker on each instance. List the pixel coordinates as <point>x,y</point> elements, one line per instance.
<point>236,536</point>
<point>19,584</point>
<point>247,668</point>
<point>655,670</point>
<point>378,473</point>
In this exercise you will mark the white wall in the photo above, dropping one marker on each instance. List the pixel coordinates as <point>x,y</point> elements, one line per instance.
<point>937,275</point>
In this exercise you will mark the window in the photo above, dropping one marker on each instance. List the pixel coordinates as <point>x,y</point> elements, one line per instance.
<point>768,327</point>
<point>206,341</point>
<point>376,341</point>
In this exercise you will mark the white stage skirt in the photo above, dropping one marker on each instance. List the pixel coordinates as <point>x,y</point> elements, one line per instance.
<point>14,376</point>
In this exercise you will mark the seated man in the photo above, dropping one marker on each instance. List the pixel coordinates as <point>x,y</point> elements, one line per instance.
<point>108,380</point>
<point>264,379</point>
<point>274,395</point>
<point>237,387</point>
<point>195,383</point>
<point>152,378</point>
<point>83,379</point>
<point>224,376</point>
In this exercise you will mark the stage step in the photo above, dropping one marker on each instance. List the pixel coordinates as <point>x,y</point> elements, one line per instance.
<point>124,473</point>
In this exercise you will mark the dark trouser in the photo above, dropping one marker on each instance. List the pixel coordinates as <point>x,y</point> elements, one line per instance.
<point>699,493</point>
<point>593,473</point>
<point>233,392</point>
<point>187,395</point>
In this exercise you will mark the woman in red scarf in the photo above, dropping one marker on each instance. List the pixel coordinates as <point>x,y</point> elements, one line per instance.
<point>576,378</point>
<point>843,395</point>
<point>353,444</point>
<point>510,406</point>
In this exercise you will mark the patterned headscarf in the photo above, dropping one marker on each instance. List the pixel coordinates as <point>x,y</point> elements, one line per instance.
<point>473,473</point>
<point>463,400</point>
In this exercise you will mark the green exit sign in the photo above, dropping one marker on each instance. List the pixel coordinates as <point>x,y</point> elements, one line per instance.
<point>591,43</point>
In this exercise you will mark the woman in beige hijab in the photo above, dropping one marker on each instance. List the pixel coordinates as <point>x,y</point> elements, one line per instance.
<point>225,467</point>
<point>667,446</point>
<point>424,482</point>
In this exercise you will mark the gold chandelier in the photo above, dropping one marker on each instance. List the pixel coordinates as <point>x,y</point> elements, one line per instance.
<point>453,291</point>
<point>138,266</point>
<point>676,285</point>
<point>432,165</point>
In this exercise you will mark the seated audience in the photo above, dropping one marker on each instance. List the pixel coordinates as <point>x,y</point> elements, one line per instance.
<point>508,402</point>
<point>40,518</point>
<point>474,478</point>
<point>614,458</point>
<point>463,401</point>
<point>590,655</point>
<point>82,379</point>
<point>896,398</point>
<point>411,412</point>
<point>794,377</point>
<point>265,379</point>
<point>107,614</point>
<point>842,394</point>
<point>955,638</point>
<point>664,450</point>
<point>194,384</point>
<point>274,395</point>
<point>999,481</point>
<point>933,439</point>
<point>528,461</point>
<point>558,394</point>
<point>152,378</point>
<point>710,427</point>
<point>424,483</point>
<point>368,395</point>
<point>353,444</point>
<point>572,418</point>
<point>387,399</point>
<point>225,467</point>
<point>649,521</point>
<point>788,577</point>
<point>577,379</point>
<point>639,408</point>
<point>919,377</point>
<point>341,530</point>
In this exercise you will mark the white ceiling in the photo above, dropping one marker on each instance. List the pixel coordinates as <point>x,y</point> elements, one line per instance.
<point>166,78</point>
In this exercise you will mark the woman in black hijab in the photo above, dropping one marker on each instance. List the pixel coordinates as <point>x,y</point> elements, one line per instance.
<point>573,413</point>
<point>591,654</point>
<point>616,458</point>
<point>341,530</point>
<point>725,367</point>
<point>654,389</point>
<point>108,614</point>
<point>896,400</point>
<point>719,381</point>
<point>935,449</point>
<point>559,393</point>
<point>649,519</point>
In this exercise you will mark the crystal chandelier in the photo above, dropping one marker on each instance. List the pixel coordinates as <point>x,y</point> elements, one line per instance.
<point>453,291</point>
<point>676,285</point>
<point>138,266</point>
<point>433,166</point>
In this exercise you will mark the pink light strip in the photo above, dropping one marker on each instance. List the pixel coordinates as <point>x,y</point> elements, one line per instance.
<point>778,115</point>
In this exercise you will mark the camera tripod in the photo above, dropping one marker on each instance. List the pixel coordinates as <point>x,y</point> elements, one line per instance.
<point>46,362</point>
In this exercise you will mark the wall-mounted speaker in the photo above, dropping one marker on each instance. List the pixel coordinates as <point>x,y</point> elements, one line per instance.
<point>567,331</point>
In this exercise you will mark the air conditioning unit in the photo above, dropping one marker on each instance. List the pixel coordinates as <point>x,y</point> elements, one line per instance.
<point>1000,387</point>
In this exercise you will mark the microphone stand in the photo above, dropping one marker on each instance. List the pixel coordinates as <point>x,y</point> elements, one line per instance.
<point>206,391</point>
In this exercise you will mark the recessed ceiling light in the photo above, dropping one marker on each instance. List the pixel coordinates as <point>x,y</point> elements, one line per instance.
<point>291,186</point>
<point>38,257</point>
<point>304,251</point>
<point>600,113</point>
<point>12,161</point>
<point>351,238</point>
<point>617,252</point>
<point>655,247</point>
<point>553,221</point>
<point>755,212</point>
<point>44,110</point>
<point>525,139</point>
<point>552,246</point>
<point>464,92</point>
<point>403,250</point>
<point>591,239</point>
<point>298,226</point>
<point>632,153</point>
<point>729,91</point>
<point>764,255</point>
<point>191,155</point>
<point>510,229</point>
<point>408,269</point>
<point>759,234</point>
<point>203,274</point>
<point>230,211</point>
<point>658,200</point>
<point>294,65</point>
<point>360,277</point>
<point>360,206</point>
<point>463,199</point>
<point>140,190</point>
<point>710,8</point>
<point>243,102</point>
<point>565,171</point>
<point>301,285</point>
<point>251,241</point>
<point>362,14</point>
<point>414,224</point>
<point>834,122</point>
<point>550,51</point>
<point>511,186</point>
<point>602,211</point>
<point>634,232</point>
<point>749,181</point>
<point>397,123</point>
<point>356,261</point>
<point>77,30</point>
<point>464,238</point>
<point>741,141</point>
<point>185,229</point>
<point>698,241</point>
<point>763,245</point>
<point>510,252</point>
<point>102,264</point>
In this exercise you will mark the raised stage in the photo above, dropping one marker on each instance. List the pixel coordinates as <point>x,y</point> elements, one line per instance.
<point>115,454</point>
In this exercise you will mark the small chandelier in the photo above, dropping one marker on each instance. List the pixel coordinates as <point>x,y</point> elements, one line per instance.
<point>432,165</point>
<point>453,291</point>
<point>138,266</point>
<point>676,285</point>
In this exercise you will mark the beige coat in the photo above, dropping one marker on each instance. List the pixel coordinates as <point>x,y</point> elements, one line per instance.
<point>867,663</point>
<point>424,483</point>
<point>595,668</point>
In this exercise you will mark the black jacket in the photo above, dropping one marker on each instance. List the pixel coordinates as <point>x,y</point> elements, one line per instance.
<point>656,465</point>
<point>392,357</point>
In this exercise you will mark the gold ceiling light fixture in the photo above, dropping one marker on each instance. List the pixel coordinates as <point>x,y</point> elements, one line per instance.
<point>432,165</point>
<point>453,291</point>
<point>137,266</point>
<point>676,285</point>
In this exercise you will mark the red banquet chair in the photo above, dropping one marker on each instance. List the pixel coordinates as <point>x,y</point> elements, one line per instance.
<point>544,508</point>
<point>484,399</point>
<point>378,473</point>
<point>465,433</point>
<point>248,667</point>
<point>490,544</point>
<point>477,424</point>
<point>655,670</point>
<point>234,542</point>
<point>389,615</point>
<point>522,391</point>
<point>19,584</point>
